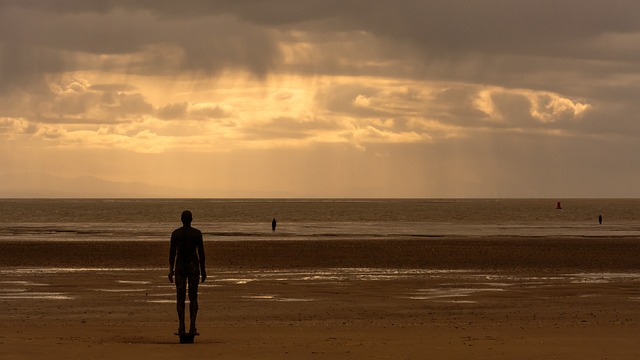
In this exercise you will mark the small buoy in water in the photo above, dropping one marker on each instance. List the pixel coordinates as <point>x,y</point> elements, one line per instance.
<point>558,206</point>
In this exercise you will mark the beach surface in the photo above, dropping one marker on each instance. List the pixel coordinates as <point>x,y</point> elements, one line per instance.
<point>477,298</point>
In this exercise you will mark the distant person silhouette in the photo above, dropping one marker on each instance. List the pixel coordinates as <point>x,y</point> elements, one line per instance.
<point>273,224</point>
<point>600,219</point>
<point>186,257</point>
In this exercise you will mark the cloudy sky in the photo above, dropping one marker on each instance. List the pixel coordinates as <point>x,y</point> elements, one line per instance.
<point>323,98</point>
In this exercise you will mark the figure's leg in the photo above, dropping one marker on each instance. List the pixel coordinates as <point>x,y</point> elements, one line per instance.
<point>193,301</point>
<point>181,294</point>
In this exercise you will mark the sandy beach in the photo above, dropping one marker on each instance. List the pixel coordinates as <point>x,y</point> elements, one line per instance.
<point>500,298</point>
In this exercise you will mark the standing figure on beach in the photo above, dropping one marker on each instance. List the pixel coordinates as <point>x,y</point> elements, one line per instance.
<point>186,258</point>
<point>273,224</point>
<point>600,219</point>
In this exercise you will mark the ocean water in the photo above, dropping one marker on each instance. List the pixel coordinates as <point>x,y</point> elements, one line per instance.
<point>330,219</point>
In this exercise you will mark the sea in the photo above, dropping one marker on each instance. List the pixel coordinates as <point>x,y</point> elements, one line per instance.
<point>320,219</point>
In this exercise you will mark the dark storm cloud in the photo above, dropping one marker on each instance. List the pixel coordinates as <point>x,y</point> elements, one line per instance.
<point>272,12</point>
<point>546,28</point>
<point>550,28</point>
<point>458,39</point>
<point>528,26</point>
<point>555,28</point>
<point>42,37</point>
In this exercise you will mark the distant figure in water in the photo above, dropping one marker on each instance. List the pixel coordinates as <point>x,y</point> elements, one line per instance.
<point>600,219</point>
<point>186,258</point>
<point>558,206</point>
<point>273,224</point>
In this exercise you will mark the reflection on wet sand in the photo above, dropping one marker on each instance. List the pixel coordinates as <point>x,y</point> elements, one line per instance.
<point>453,286</point>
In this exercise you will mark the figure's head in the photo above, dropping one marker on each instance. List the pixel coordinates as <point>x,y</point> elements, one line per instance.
<point>186,217</point>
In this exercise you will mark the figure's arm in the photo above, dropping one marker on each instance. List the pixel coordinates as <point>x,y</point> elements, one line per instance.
<point>203,271</point>
<point>172,257</point>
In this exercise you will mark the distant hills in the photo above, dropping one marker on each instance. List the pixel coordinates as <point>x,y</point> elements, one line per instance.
<point>41,185</point>
<point>37,185</point>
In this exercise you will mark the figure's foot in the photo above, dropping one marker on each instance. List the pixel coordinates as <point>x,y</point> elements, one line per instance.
<point>194,331</point>
<point>181,330</point>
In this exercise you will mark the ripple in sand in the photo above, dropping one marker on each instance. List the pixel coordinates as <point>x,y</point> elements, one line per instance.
<point>172,286</point>
<point>496,285</point>
<point>119,290</point>
<point>274,298</point>
<point>29,271</point>
<point>589,295</point>
<point>259,297</point>
<point>36,296</point>
<point>24,283</point>
<point>441,294</point>
<point>237,281</point>
<point>602,278</point>
<point>338,274</point>
<point>161,301</point>
<point>134,282</point>
<point>590,281</point>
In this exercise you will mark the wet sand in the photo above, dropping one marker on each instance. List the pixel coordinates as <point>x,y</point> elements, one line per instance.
<point>493,253</point>
<point>565,298</point>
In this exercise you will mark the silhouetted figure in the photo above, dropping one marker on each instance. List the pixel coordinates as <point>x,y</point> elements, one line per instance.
<point>186,257</point>
<point>600,219</point>
<point>273,224</point>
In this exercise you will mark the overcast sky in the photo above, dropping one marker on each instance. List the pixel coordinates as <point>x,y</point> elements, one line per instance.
<point>323,98</point>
